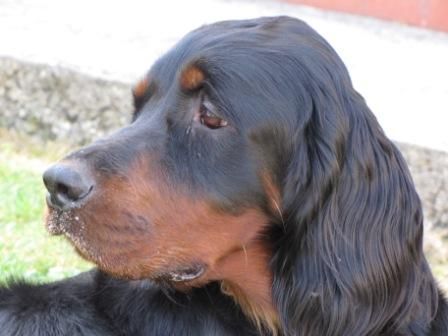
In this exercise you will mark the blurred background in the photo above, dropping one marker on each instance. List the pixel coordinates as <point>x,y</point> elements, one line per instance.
<point>66,68</point>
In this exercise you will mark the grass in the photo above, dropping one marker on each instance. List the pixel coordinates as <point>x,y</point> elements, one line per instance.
<point>26,249</point>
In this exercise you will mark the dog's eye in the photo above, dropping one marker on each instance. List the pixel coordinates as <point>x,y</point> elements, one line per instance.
<point>209,119</point>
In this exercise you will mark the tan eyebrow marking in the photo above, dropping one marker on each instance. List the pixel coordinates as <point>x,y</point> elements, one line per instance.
<point>191,78</point>
<point>141,88</point>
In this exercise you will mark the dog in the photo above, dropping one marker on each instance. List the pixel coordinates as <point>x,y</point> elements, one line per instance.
<point>253,193</point>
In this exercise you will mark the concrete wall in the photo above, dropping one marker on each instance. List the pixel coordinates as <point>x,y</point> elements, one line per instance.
<point>52,103</point>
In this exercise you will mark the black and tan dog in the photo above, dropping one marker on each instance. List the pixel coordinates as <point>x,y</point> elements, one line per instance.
<point>254,193</point>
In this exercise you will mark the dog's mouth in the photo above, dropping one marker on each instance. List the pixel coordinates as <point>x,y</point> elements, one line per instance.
<point>183,278</point>
<point>71,225</point>
<point>58,222</point>
<point>185,274</point>
<point>68,223</point>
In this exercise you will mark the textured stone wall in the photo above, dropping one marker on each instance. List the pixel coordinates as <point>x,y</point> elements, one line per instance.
<point>57,104</point>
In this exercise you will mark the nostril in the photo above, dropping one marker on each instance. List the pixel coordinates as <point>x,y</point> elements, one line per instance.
<point>73,192</point>
<point>66,185</point>
<point>62,189</point>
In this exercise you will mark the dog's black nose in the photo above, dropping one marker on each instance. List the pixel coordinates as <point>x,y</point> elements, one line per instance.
<point>67,185</point>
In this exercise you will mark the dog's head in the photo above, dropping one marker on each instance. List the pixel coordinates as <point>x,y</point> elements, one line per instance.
<point>195,176</point>
<point>250,159</point>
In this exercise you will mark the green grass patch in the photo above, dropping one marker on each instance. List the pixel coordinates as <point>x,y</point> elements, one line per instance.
<point>26,249</point>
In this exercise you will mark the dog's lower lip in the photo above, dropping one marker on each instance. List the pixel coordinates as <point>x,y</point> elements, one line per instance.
<point>186,274</point>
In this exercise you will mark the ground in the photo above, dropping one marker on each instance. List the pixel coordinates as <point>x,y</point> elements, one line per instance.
<point>26,249</point>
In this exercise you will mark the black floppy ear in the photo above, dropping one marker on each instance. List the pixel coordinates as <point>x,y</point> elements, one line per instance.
<point>351,258</point>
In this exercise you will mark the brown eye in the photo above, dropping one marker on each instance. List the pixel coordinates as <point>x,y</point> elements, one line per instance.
<point>209,119</point>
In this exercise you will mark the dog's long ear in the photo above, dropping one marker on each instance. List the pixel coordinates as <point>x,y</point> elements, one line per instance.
<point>351,258</point>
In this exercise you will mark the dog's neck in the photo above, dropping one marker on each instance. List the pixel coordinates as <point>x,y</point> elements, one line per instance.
<point>246,277</point>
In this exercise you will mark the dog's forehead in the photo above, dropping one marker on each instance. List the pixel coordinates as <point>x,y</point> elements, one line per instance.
<point>215,45</point>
